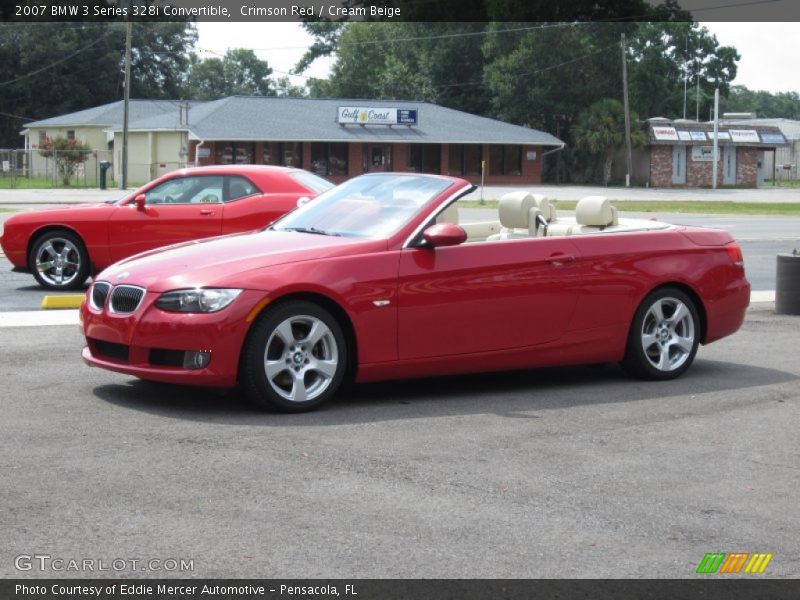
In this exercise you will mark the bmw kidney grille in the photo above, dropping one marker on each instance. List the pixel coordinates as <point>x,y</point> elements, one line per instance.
<point>126,298</point>
<point>99,294</point>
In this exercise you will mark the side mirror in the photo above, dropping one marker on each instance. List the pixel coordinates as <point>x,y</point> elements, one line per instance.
<point>444,234</point>
<point>140,200</point>
<point>303,200</point>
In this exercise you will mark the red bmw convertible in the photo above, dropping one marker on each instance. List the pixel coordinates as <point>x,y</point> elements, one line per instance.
<point>376,280</point>
<point>64,246</point>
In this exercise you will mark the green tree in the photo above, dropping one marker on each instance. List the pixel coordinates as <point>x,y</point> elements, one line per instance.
<point>665,55</point>
<point>67,154</point>
<point>240,72</point>
<point>765,104</point>
<point>52,68</point>
<point>601,131</point>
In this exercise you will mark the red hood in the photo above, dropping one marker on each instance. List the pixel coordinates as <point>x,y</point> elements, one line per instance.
<point>204,263</point>
<point>54,213</point>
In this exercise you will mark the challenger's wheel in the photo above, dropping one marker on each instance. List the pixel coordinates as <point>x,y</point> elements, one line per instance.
<point>295,357</point>
<point>664,336</point>
<point>59,261</point>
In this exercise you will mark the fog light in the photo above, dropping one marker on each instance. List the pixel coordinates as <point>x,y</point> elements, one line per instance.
<point>196,360</point>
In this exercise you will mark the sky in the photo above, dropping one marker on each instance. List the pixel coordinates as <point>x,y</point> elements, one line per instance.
<point>769,50</point>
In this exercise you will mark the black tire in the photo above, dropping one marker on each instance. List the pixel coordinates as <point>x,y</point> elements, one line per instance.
<point>661,349</point>
<point>303,375</point>
<point>71,254</point>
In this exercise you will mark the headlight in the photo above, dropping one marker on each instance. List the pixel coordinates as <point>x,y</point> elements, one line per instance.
<point>197,300</point>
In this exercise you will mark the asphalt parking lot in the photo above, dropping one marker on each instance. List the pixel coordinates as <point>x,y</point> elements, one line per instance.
<point>570,472</point>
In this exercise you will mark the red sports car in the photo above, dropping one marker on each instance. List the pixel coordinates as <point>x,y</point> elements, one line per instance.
<point>64,246</point>
<point>373,280</point>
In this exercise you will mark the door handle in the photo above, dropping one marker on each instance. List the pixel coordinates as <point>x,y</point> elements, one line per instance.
<point>206,211</point>
<point>560,259</point>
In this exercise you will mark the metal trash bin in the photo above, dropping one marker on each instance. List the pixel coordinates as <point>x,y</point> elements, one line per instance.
<point>104,166</point>
<point>787,284</point>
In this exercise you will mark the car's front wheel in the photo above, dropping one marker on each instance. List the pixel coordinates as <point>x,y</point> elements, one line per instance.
<point>59,261</point>
<point>664,335</point>
<point>295,357</point>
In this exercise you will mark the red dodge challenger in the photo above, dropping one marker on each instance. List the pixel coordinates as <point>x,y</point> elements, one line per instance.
<point>64,246</point>
<point>376,280</point>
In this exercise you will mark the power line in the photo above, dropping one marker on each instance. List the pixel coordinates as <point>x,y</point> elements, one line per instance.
<point>58,62</point>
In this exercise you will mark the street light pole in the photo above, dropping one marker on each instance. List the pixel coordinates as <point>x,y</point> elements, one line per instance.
<point>124,179</point>
<point>627,111</point>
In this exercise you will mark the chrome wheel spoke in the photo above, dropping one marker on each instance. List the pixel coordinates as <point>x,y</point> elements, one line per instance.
<point>43,267</point>
<point>663,359</point>
<point>315,334</point>
<point>299,391</point>
<point>284,332</point>
<point>273,368</point>
<point>648,339</point>
<point>657,311</point>
<point>327,368</point>
<point>50,250</point>
<point>685,344</point>
<point>681,312</point>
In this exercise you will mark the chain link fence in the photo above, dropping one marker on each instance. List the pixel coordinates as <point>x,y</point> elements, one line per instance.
<point>29,169</point>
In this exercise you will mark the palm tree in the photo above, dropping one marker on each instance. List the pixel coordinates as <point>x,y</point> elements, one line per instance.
<point>601,130</point>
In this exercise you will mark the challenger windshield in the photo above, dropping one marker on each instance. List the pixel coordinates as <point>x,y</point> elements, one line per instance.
<point>373,206</point>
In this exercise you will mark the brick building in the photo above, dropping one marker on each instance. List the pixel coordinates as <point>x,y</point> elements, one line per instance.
<point>336,139</point>
<point>681,153</point>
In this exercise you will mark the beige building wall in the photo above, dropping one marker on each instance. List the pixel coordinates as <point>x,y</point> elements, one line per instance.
<point>150,154</point>
<point>94,136</point>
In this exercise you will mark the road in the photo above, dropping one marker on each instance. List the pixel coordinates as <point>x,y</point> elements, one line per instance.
<point>555,473</point>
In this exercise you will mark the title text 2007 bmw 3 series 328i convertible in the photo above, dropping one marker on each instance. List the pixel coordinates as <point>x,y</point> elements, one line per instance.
<point>375,280</point>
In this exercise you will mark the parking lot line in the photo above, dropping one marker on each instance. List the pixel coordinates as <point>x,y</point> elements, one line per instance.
<point>38,318</point>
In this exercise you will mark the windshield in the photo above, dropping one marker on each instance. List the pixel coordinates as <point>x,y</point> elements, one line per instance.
<point>373,206</point>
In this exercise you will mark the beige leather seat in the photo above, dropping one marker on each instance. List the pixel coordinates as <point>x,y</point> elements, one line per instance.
<point>593,214</point>
<point>518,215</point>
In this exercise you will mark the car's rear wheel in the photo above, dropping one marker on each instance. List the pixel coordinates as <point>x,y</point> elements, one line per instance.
<point>295,357</point>
<point>664,336</point>
<point>59,261</point>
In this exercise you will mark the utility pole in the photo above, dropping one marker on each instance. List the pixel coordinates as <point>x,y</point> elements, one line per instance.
<point>716,139</point>
<point>627,111</point>
<point>124,179</point>
<point>685,75</point>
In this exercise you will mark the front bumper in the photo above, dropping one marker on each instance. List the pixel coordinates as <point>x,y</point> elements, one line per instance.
<point>150,343</point>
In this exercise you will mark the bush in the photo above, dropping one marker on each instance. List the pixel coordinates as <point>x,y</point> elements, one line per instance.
<point>67,153</point>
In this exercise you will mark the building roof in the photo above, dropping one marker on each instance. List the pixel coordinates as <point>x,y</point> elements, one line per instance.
<point>271,118</point>
<point>745,133</point>
<point>111,115</point>
<point>790,128</point>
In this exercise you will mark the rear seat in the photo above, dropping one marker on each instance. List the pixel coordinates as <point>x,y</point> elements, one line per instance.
<point>518,215</point>
<point>593,214</point>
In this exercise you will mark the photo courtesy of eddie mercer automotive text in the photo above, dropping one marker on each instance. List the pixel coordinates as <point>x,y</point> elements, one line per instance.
<point>375,279</point>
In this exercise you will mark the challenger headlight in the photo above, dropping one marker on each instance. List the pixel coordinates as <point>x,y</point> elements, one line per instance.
<point>197,300</point>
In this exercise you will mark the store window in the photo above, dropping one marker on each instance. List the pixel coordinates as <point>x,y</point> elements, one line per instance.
<point>505,160</point>
<point>424,158</point>
<point>285,154</point>
<point>329,158</point>
<point>465,159</point>
<point>234,153</point>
